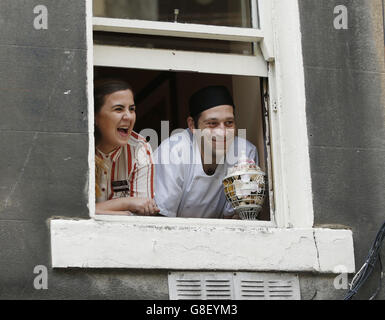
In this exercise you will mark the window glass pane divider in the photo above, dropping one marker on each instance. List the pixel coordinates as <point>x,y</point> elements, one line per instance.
<point>254,20</point>
<point>265,8</point>
<point>187,30</point>
<point>254,14</point>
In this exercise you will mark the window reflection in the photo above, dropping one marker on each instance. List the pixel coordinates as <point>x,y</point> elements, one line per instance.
<point>234,13</point>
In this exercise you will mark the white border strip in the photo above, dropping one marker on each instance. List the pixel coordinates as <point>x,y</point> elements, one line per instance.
<point>185,30</point>
<point>90,98</point>
<point>175,60</point>
<point>161,243</point>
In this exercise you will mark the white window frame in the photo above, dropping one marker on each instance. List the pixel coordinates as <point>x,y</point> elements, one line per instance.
<point>171,29</point>
<point>173,60</point>
<point>288,243</point>
<point>177,60</point>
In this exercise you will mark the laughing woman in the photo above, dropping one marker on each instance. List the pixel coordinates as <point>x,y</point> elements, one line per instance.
<point>124,170</point>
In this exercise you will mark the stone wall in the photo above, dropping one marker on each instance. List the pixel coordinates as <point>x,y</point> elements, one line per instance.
<point>345,105</point>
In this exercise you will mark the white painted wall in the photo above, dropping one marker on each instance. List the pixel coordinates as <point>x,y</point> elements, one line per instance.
<point>195,244</point>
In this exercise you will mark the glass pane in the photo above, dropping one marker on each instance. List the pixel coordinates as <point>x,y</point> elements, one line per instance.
<point>234,13</point>
<point>173,43</point>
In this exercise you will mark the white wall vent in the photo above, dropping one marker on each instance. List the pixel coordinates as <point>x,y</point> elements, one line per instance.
<point>233,286</point>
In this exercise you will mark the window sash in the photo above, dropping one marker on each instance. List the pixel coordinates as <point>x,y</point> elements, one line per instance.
<point>170,29</point>
<point>160,59</point>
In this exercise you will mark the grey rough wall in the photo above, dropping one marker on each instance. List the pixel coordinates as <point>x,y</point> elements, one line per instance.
<point>43,134</point>
<point>345,93</point>
<point>44,154</point>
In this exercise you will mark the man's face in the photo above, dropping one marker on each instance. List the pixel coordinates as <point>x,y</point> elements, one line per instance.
<point>217,127</point>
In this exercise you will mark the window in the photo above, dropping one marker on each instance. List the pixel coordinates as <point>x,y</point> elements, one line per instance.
<point>288,242</point>
<point>222,51</point>
<point>162,98</point>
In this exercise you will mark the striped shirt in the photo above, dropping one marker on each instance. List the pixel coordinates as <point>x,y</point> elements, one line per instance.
<point>128,171</point>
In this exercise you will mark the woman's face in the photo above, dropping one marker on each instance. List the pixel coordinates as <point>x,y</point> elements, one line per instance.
<point>116,120</point>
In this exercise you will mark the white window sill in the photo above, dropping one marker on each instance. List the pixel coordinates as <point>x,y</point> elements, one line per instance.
<point>198,244</point>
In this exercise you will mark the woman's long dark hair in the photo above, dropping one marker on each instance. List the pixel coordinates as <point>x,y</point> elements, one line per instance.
<point>102,88</point>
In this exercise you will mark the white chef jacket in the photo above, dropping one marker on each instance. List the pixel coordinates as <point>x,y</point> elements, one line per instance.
<point>182,188</point>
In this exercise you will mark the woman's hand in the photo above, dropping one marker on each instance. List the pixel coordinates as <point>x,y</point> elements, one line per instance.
<point>128,206</point>
<point>142,206</point>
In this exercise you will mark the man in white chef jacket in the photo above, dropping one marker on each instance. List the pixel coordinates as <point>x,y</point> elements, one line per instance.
<point>190,165</point>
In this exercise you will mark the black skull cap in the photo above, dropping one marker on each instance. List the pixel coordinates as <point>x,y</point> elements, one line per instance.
<point>209,97</point>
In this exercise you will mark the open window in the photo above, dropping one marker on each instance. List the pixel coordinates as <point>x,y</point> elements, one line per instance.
<point>162,97</point>
<point>267,68</point>
<point>174,48</point>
